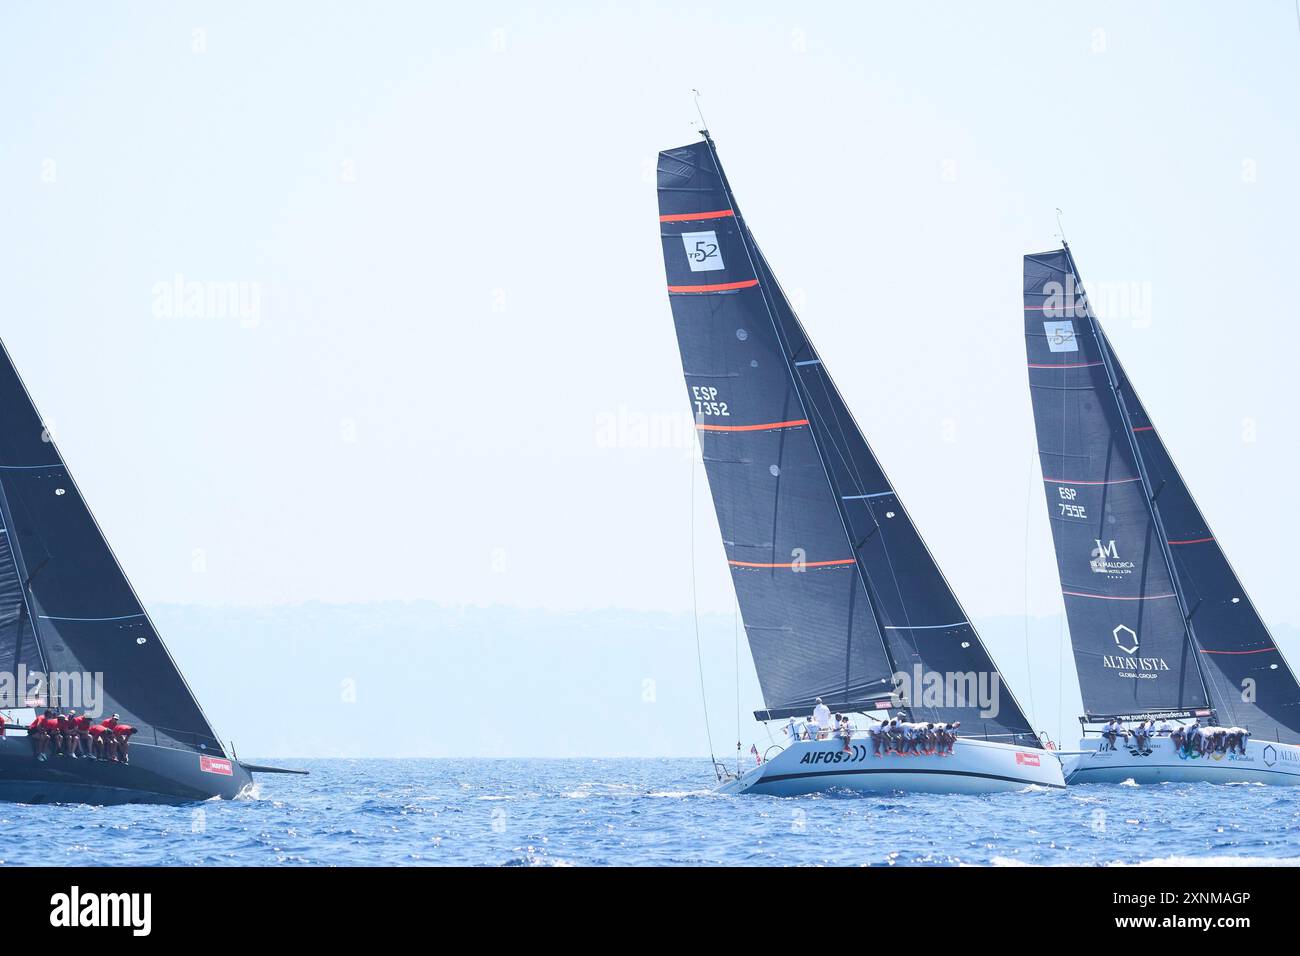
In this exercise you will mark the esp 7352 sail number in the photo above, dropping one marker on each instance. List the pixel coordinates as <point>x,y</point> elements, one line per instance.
<point>706,402</point>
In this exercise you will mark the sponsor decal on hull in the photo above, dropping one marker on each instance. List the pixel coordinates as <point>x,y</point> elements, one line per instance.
<point>1216,756</point>
<point>858,753</point>
<point>1026,760</point>
<point>216,765</point>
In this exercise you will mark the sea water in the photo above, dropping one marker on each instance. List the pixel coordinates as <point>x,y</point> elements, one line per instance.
<point>536,812</point>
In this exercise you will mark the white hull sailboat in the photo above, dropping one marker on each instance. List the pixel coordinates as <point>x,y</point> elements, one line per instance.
<point>975,766</point>
<point>842,603</point>
<point>1159,761</point>
<point>1161,626</point>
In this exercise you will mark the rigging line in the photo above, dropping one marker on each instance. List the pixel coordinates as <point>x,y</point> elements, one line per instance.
<point>1176,474</point>
<point>1060,677</point>
<point>747,241</point>
<point>1060,632</point>
<point>828,385</point>
<point>1029,491</point>
<point>695,613</point>
<point>735,629</point>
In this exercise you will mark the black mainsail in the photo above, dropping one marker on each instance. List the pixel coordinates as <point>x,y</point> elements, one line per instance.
<point>1158,619</point>
<point>65,603</point>
<point>837,590</point>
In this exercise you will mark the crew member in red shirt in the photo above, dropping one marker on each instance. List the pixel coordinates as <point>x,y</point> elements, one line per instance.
<point>40,737</point>
<point>121,737</point>
<point>99,741</point>
<point>83,737</point>
<point>59,736</point>
<point>68,723</point>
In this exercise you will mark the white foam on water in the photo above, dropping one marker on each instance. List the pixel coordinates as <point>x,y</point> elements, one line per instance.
<point>1130,782</point>
<point>1215,861</point>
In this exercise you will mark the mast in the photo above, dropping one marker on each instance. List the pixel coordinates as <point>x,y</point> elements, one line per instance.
<point>24,587</point>
<point>746,240</point>
<point>1148,492</point>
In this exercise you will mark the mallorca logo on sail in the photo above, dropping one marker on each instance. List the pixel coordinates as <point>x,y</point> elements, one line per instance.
<point>1129,664</point>
<point>1106,559</point>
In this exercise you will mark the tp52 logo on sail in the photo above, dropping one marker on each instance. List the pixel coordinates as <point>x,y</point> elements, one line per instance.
<point>702,251</point>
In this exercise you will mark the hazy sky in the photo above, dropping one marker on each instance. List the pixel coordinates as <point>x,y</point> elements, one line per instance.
<point>454,325</point>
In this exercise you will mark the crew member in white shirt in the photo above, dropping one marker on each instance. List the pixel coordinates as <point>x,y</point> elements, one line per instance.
<point>822,717</point>
<point>876,732</point>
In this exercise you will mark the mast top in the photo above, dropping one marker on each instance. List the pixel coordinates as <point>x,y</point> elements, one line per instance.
<point>704,124</point>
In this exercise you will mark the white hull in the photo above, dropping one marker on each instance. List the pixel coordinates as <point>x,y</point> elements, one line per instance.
<point>1263,762</point>
<point>976,766</point>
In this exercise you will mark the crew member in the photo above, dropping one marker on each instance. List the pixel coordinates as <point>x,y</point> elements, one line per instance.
<point>876,732</point>
<point>84,738</point>
<point>845,731</point>
<point>1242,735</point>
<point>38,736</point>
<point>68,724</point>
<point>822,718</point>
<point>101,740</point>
<point>121,738</point>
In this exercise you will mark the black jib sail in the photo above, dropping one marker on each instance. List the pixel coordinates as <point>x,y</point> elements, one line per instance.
<point>1158,620</point>
<point>65,606</point>
<point>836,588</point>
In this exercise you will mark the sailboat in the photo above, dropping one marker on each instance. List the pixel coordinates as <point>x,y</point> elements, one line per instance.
<point>839,596</point>
<point>74,636</point>
<point>1160,625</point>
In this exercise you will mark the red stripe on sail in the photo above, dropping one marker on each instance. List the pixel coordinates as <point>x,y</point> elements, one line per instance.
<point>752,428</point>
<point>1262,650</point>
<point>1074,365</point>
<point>1106,597</point>
<point>791,564</point>
<point>720,287</point>
<point>692,216</point>
<point>1113,481</point>
<point>1192,541</point>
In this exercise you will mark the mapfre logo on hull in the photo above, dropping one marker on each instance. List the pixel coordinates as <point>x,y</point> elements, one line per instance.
<point>216,765</point>
<point>1027,760</point>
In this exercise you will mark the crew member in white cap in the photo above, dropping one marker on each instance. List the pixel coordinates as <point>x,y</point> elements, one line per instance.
<point>822,718</point>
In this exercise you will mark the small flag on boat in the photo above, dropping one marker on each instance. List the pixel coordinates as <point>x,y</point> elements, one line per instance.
<point>753,748</point>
